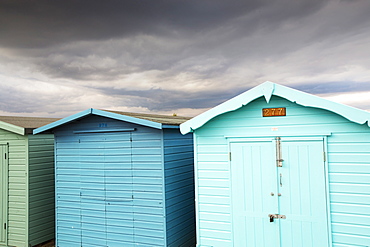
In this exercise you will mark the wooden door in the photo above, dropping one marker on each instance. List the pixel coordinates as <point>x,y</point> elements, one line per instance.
<point>303,194</point>
<point>119,203</point>
<point>253,178</point>
<point>295,191</point>
<point>3,194</point>
<point>106,189</point>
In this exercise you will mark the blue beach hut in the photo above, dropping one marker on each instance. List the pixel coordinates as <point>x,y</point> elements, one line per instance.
<point>277,167</point>
<point>123,179</point>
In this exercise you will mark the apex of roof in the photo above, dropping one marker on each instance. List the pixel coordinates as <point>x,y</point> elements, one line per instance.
<point>268,89</point>
<point>23,125</point>
<point>149,120</point>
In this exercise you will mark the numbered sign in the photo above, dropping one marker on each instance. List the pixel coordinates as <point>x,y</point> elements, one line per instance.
<point>274,112</point>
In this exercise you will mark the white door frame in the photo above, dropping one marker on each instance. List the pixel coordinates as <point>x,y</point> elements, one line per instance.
<point>319,136</point>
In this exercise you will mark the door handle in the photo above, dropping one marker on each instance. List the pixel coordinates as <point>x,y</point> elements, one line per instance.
<point>281,180</point>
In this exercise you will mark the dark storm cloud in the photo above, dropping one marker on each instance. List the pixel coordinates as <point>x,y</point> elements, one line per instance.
<point>41,23</point>
<point>48,34</point>
<point>164,55</point>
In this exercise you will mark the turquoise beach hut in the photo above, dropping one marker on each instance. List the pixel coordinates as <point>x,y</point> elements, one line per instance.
<point>26,182</point>
<point>123,179</point>
<point>277,167</point>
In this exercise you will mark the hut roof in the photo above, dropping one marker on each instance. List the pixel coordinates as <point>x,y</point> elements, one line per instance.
<point>23,125</point>
<point>163,119</point>
<point>149,120</point>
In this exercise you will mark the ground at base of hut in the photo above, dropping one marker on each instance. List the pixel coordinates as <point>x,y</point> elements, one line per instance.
<point>50,243</point>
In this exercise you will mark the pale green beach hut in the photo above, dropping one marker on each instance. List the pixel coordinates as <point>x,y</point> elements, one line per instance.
<point>26,182</point>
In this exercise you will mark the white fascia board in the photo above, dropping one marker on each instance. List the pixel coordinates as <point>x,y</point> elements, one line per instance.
<point>269,89</point>
<point>62,121</point>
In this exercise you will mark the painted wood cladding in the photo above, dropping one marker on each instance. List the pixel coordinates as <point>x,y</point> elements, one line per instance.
<point>120,188</point>
<point>17,188</point>
<point>41,189</point>
<point>348,155</point>
<point>179,188</point>
<point>30,188</point>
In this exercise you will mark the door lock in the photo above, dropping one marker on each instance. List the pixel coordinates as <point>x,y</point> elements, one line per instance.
<point>276,216</point>
<point>271,217</point>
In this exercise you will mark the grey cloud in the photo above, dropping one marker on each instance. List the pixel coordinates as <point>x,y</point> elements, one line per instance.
<point>167,100</point>
<point>334,87</point>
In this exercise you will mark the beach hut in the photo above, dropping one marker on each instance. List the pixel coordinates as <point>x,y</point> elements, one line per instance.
<point>279,167</point>
<point>26,182</point>
<point>123,179</point>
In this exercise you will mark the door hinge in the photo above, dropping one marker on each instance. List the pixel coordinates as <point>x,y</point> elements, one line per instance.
<point>5,155</point>
<point>324,153</point>
<point>229,156</point>
<point>5,226</point>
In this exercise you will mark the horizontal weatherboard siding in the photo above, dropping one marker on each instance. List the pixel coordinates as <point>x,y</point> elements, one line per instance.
<point>41,189</point>
<point>179,187</point>
<point>110,185</point>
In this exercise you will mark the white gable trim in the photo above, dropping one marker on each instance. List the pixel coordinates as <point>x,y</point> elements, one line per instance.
<point>269,89</point>
<point>12,128</point>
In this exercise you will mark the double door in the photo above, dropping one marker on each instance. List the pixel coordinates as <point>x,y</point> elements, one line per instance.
<point>106,189</point>
<point>279,193</point>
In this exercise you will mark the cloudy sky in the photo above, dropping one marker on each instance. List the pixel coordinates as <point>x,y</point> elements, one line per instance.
<point>177,56</point>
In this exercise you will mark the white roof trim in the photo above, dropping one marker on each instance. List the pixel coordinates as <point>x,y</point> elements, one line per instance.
<point>102,113</point>
<point>12,128</point>
<point>269,89</point>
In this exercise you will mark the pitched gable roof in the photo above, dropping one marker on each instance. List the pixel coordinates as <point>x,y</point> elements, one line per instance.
<point>269,89</point>
<point>163,119</point>
<point>149,120</point>
<point>23,125</point>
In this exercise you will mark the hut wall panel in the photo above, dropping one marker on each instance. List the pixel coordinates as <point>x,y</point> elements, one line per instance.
<point>79,164</point>
<point>147,185</point>
<point>41,188</point>
<point>349,183</point>
<point>179,188</point>
<point>17,188</point>
<point>348,166</point>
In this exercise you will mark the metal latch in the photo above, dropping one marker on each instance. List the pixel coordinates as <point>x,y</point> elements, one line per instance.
<point>279,160</point>
<point>276,216</point>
